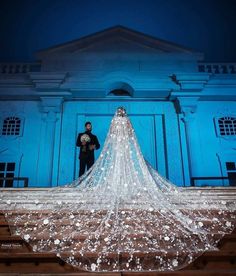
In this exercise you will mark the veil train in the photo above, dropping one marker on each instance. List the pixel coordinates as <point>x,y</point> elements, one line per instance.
<point>121,215</point>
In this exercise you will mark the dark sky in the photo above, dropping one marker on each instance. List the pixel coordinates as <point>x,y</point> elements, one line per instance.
<point>208,26</point>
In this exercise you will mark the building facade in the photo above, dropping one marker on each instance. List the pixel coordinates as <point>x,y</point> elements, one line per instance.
<point>182,109</point>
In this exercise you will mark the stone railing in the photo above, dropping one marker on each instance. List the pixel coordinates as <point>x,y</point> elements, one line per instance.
<point>19,68</point>
<point>217,68</point>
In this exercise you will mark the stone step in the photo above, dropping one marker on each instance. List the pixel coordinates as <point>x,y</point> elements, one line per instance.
<point>174,273</point>
<point>10,237</point>
<point>44,263</point>
<point>226,243</point>
<point>99,216</point>
<point>16,257</point>
<point>14,260</point>
<point>34,255</point>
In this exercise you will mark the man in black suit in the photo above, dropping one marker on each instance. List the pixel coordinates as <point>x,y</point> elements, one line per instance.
<point>87,143</point>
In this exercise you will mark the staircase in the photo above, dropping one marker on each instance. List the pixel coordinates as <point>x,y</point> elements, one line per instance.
<point>17,257</point>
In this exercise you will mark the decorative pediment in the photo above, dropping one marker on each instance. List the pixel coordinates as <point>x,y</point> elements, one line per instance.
<point>117,39</point>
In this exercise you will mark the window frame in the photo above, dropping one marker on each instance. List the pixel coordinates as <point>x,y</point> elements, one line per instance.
<point>230,170</point>
<point>6,173</point>
<point>217,127</point>
<point>21,130</point>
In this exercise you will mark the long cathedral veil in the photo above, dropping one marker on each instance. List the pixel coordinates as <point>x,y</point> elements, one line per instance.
<point>121,215</point>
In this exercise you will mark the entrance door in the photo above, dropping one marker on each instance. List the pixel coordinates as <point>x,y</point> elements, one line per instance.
<point>144,129</point>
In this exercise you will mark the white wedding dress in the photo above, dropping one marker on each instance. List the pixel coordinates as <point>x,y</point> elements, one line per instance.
<point>121,215</point>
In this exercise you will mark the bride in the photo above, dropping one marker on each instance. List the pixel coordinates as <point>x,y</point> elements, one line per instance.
<point>121,215</point>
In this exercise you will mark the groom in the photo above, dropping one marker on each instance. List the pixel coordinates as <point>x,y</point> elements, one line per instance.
<point>87,143</point>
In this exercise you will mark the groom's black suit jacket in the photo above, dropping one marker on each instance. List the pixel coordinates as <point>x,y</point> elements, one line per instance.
<point>87,154</point>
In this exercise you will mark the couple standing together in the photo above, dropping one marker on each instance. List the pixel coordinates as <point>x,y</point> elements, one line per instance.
<point>87,142</point>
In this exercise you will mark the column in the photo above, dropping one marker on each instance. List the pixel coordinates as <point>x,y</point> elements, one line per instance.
<point>188,107</point>
<point>50,108</point>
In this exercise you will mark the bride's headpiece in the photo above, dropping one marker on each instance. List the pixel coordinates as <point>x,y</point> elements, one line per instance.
<point>121,112</point>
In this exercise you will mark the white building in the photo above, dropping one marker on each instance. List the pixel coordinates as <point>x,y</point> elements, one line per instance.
<point>183,110</point>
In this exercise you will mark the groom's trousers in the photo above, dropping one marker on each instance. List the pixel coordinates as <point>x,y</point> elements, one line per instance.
<point>88,162</point>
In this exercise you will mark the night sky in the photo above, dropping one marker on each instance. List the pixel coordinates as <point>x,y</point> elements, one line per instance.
<point>207,26</point>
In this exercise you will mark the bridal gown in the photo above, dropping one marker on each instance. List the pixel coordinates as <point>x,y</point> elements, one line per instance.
<point>121,215</point>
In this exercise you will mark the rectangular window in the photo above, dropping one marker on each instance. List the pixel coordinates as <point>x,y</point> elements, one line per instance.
<point>7,172</point>
<point>231,171</point>
<point>230,166</point>
<point>1,179</point>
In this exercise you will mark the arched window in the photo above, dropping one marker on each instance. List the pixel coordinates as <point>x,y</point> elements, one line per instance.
<point>119,92</point>
<point>11,126</point>
<point>227,126</point>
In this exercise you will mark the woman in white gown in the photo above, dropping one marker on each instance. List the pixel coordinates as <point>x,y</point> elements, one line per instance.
<point>121,215</point>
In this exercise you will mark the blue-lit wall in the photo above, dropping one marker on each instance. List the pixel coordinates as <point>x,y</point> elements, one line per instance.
<point>160,132</point>
<point>212,149</point>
